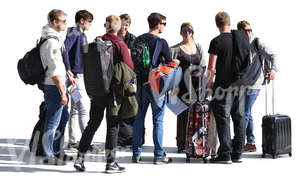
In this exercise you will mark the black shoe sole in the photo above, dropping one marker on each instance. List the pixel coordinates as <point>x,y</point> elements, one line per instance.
<point>237,161</point>
<point>79,168</point>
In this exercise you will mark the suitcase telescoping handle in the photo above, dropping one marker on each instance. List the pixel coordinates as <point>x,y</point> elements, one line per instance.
<point>201,83</point>
<point>266,95</point>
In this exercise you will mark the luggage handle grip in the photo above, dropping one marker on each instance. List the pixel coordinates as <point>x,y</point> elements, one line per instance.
<point>201,83</point>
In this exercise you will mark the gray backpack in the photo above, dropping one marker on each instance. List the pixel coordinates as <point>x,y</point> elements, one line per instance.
<point>98,67</point>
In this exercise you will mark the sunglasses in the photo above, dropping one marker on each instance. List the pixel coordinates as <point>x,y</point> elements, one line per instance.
<point>184,31</point>
<point>248,30</point>
<point>63,21</point>
<point>163,23</point>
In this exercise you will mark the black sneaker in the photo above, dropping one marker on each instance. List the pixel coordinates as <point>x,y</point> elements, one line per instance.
<point>236,158</point>
<point>136,159</point>
<point>162,160</point>
<point>79,165</point>
<point>221,160</point>
<point>114,168</point>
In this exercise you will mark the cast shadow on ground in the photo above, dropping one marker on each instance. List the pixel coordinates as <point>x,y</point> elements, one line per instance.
<point>16,157</point>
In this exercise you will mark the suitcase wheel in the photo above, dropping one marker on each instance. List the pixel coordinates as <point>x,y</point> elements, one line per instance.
<point>263,155</point>
<point>290,154</point>
<point>274,156</point>
<point>204,160</point>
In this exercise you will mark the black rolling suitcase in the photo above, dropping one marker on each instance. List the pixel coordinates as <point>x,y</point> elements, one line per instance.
<point>276,132</point>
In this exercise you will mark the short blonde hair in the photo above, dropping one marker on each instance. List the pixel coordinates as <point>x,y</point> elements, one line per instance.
<point>222,19</point>
<point>54,14</point>
<point>113,23</point>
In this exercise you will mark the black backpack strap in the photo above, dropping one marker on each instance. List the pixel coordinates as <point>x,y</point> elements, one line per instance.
<point>42,40</point>
<point>256,43</point>
<point>52,37</point>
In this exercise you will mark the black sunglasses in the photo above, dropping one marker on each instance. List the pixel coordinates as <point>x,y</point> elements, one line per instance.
<point>63,21</point>
<point>248,30</point>
<point>163,23</point>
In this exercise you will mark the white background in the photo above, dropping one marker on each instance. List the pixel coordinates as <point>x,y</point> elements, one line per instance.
<point>276,22</point>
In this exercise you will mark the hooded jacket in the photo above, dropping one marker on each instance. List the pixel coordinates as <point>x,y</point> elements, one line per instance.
<point>51,54</point>
<point>268,54</point>
<point>120,49</point>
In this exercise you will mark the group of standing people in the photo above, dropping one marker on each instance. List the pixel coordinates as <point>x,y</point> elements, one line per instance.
<point>62,55</point>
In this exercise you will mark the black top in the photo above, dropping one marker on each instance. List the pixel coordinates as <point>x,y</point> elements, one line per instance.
<point>221,46</point>
<point>185,61</point>
<point>129,39</point>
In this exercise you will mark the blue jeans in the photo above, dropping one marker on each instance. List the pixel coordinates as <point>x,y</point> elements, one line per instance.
<point>56,119</point>
<point>145,97</point>
<point>251,96</point>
